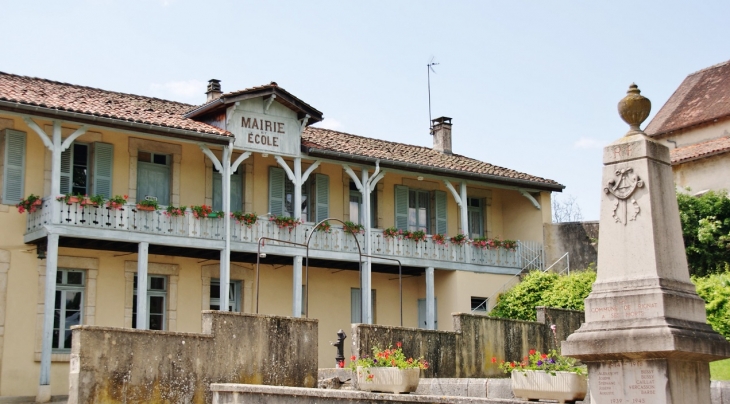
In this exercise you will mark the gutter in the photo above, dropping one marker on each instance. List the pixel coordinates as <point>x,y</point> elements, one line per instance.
<point>429,169</point>
<point>101,121</point>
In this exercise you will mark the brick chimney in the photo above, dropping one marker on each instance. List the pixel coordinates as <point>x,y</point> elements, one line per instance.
<point>441,131</point>
<point>214,90</point>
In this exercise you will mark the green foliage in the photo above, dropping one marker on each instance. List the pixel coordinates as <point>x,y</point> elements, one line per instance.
<point>720,370</point>
<point>545,289</point>
<point>715,291</point>
<point>706,231</point>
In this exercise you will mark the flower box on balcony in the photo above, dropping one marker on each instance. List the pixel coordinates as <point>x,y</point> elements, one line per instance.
<point>146,208</point>
<point>212,215</point>
<point>72,199</point>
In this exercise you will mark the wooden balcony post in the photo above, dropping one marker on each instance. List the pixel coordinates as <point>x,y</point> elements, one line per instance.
<point>430,300</point>
<point>49,299</point>
<point>142,254</point>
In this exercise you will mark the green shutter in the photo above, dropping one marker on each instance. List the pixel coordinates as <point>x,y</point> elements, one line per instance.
<point>439,200</point>
<point>277,177</point>
<point>103,163</point>
<point>217,191</point>
<point>236,192</point>
<point>322,182</point>
<point>14,170</point>
<point>67,156</point>
<point>401,207</point>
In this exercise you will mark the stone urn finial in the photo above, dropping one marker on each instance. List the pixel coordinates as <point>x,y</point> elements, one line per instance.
<point>634,109</point>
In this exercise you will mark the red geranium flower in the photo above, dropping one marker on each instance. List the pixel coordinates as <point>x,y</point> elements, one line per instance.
<point>532,351</point>
<point>494,360</point>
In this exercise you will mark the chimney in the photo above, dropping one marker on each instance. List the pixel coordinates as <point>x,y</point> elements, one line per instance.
<point>214,90</point>
<point>441,131</point>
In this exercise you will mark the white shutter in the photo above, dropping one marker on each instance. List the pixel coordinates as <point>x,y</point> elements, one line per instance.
<point>67,157</point>
<point>14,167</point>
<point>439,199</point>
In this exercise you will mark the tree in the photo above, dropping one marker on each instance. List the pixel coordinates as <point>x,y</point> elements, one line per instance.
<point>706,231</point>
<point>566,210</point>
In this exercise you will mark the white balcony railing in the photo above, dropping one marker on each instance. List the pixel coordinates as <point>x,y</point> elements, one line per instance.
<point>130,219</point>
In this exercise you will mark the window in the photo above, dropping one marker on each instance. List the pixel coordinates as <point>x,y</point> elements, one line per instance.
<point>156,295</point>
<point>478,304</point>
<point>356,206</point>
<point>236,190</point>
<point>68,309</point>
<point>234,295</point>
<point>83,163</point>
<point>13,143</point>
<point>153,176</point>
<point>356,304</point>
<point>475,212</point>
<point>420,210</point>
<point>315,196</point>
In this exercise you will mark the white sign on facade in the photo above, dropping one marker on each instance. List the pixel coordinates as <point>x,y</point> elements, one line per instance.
<point>276,132</point>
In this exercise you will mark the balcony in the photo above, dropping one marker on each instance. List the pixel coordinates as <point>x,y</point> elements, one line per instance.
<point>130,224</point>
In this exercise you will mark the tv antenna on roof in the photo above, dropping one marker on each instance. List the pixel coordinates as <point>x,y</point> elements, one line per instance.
<point>430,66</point>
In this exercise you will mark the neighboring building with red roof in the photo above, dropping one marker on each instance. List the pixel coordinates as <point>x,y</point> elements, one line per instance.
<point>695,124</point>
<point>171,199</point>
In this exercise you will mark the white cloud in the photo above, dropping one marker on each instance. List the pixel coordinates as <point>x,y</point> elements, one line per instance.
<point>188,90</point>
<point>329,123</point>
<point>588,143</point>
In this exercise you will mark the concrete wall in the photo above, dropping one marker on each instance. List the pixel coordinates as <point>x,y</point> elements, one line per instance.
<point>468,350</point>
<point>700,175</point>
<point>579,239</point>
<point>131,366</point>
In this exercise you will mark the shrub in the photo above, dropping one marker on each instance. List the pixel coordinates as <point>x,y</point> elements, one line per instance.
<point>545,289</point>
<point>706,231</point>
<point>715,290</point>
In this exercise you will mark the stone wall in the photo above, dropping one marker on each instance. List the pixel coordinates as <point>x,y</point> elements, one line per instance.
<point>579,239</point>
<point>468,351</point>
<point>135,366</point>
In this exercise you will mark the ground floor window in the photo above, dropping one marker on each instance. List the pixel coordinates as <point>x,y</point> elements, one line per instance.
<point>234,295</point>
<point>156,305</point>
<point>478,304</point>
<point>356,304</point>
<point>69,306</point>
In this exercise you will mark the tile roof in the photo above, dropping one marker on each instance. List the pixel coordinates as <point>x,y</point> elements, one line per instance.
<point>103,103</point>
<point>703,96</point>
<point>700,150</point>
<point>405,154</point>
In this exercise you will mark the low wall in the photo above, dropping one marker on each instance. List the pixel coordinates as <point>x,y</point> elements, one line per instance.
<point>111,365</point>
<point>468,351</point>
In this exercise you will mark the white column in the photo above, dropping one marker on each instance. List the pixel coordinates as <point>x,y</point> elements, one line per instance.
<point>430,300</point>
<point>44,388</point>
<point>297,287</point>
<point>56,170</point>
<point>142,252</point>
<point>366,293</point>
<point>464,209</point>
<point>298,188</point>
<point>225,261</point>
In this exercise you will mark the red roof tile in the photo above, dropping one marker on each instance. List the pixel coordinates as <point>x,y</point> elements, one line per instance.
<point>97,102</point>
<point>339,142</point>
<point>700,150</point>
<point>703,96</point>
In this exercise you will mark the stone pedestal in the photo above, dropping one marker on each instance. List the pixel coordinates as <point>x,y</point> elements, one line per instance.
<point>645,336</point>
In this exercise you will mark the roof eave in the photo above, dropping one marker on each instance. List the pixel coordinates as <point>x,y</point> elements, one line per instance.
<point>292,102</point>
<point>691,126</point>
<point>52,113</point>
<point>384,163</point>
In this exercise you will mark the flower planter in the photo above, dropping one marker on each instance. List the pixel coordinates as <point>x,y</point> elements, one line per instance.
<point>37,202</point>
<point>564,386</point>
<point>388,380</point>
<point>72,200</point>
<point>146,208</point>
<point>212,215</point>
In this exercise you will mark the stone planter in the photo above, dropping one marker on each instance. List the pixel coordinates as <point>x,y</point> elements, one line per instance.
<point>564,386</point>
<point>388,380</point>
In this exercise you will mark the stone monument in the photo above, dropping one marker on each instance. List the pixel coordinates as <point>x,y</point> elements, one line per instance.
<point>646,338</point>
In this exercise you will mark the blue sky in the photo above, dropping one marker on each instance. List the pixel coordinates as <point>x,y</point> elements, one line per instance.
<point>530,85</point>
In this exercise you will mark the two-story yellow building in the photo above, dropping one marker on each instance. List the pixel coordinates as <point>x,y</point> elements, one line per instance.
<point>100,259</point>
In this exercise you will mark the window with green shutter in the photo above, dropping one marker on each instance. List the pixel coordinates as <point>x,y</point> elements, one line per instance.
<point>13,166</point>
<point>315,196</point>
<point>420,210</point>
<point>77,172</point>
<point>236,190</point>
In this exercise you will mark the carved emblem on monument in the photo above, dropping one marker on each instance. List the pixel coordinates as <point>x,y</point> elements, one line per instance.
<point>622,187</point>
